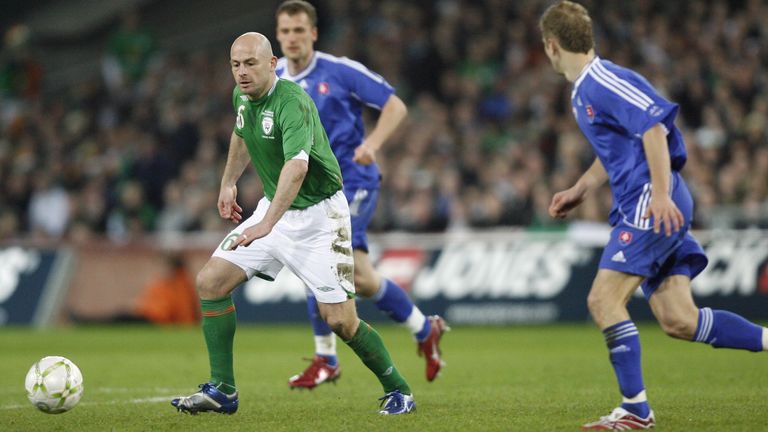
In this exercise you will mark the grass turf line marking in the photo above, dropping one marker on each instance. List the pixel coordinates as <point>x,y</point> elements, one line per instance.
<point>155,399</point>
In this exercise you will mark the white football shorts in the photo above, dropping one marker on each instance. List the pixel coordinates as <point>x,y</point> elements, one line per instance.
<point>314,243</point>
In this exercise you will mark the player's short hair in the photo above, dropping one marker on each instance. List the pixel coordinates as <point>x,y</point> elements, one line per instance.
<point>293,7</point>
<point>570,24</point>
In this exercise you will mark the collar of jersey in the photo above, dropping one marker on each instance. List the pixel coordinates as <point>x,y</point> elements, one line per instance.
<point>302,74</point>
<point>583,74</point>
<point>269,93</point>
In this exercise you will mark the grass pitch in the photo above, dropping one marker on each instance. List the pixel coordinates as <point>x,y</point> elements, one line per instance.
<point>547,378</point>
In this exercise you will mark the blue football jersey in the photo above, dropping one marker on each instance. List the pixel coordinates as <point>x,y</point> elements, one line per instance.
<point>340,88</point>
<point>614,107</point>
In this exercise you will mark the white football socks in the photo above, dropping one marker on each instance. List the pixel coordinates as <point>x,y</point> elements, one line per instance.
<point>325,345</point>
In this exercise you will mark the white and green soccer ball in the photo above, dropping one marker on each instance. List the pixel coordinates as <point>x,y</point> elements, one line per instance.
<point>54,384</point>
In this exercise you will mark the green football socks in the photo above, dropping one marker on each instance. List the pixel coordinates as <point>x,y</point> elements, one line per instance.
<point>367,344</point>
<point>219,323</point>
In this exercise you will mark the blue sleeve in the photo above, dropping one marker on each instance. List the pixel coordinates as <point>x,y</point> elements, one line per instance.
<point>632,104</point>
<point>365,85</point>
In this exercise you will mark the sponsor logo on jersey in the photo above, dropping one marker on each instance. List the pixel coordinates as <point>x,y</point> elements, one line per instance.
<point>323,88</point>
<point>625,237</point>
<point>656,111</point>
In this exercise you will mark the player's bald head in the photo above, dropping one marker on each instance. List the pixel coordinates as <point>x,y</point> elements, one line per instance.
<point>254,43</point>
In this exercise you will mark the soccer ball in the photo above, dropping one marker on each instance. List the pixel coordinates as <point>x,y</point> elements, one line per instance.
<point>54,384</point>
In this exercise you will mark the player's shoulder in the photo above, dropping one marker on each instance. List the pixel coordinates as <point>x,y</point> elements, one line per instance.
<point>344,65</point>
<point>290,91</point>
<point>608,75</point>
<point>605,81</point>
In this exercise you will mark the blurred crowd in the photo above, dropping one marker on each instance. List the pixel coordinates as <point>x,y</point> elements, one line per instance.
<point>489,136</point>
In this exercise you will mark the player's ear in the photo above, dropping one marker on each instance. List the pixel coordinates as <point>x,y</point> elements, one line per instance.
<point>314,34</point>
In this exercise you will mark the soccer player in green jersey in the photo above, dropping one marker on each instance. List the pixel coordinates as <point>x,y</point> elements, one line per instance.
<point>302,223</point>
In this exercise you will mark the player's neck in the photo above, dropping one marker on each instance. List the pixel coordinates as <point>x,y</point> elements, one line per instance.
<point>267,88</point>
<point>575,63</point>
<point>297,66</point>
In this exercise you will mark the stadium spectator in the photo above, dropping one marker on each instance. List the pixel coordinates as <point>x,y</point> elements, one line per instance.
<point>129,52</point>
<point>471,100</point>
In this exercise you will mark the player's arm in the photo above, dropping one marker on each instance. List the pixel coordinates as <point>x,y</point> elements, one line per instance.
<point>392,114</point>
<point>237,160</point>
<point>565,201</point>
<point>288,185</point>
<point>661,207</point>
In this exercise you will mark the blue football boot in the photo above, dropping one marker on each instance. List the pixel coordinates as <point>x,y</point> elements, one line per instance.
<point>396,403</point>
<point>208,399</point>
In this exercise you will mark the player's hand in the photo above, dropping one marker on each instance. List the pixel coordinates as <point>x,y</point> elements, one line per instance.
<point>664,210</point>
<point>365,154</point>
<point>250,234</point>
<point>565,201</point>
<point>228,207</point>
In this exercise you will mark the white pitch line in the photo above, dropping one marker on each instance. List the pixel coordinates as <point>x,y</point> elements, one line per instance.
<point>154,399</point>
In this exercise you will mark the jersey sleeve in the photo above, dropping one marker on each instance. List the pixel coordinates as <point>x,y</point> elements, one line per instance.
<point>295,122</point>
<point>236,129</point>
<point>365,85</point>
<point>634,105</point>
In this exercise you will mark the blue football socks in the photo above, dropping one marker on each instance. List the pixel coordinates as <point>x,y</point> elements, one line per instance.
<point>394,301</point>
<point>623,342</point>
<point>723,329</point>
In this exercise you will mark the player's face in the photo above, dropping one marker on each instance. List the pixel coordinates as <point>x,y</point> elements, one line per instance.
<point>296,35</point>
<point>252,68</point>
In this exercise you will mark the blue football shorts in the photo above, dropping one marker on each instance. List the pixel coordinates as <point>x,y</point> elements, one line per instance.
<point>635,249</point>
<point>362,206</point>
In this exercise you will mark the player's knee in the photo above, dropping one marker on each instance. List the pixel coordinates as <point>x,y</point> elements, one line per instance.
<point>208,285</point>
<point>596,304</point>
<point>341,327</point>
<point>365,285</point>
<point>678,327</point>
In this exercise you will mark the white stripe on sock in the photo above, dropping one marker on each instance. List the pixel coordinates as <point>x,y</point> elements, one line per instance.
<point>415,321</point>
<point>705,326</point>
<point>381,292</point>
<point>640,397</point>
<point>325,345</point>
<point>765,339</point>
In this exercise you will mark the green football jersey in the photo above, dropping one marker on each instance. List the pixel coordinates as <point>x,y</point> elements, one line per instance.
<point>277,128</point>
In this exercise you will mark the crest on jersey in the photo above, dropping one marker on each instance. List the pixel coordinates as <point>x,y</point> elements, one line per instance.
<point>590,113</point>
<point>625,237</point>
<point>323,88</point>
<point>266,125</point>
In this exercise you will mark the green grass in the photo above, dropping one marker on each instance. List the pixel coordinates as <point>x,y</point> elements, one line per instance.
<point>498,379</point>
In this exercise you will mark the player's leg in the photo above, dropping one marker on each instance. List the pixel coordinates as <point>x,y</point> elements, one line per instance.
<point>391,299</point>
<point>368,345</point>
<point>607,301</point>
<point>215,282</point>
<point>326,267</point>
<point>388,296</point>
<point>673,305</point>
<point>225,271</point>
